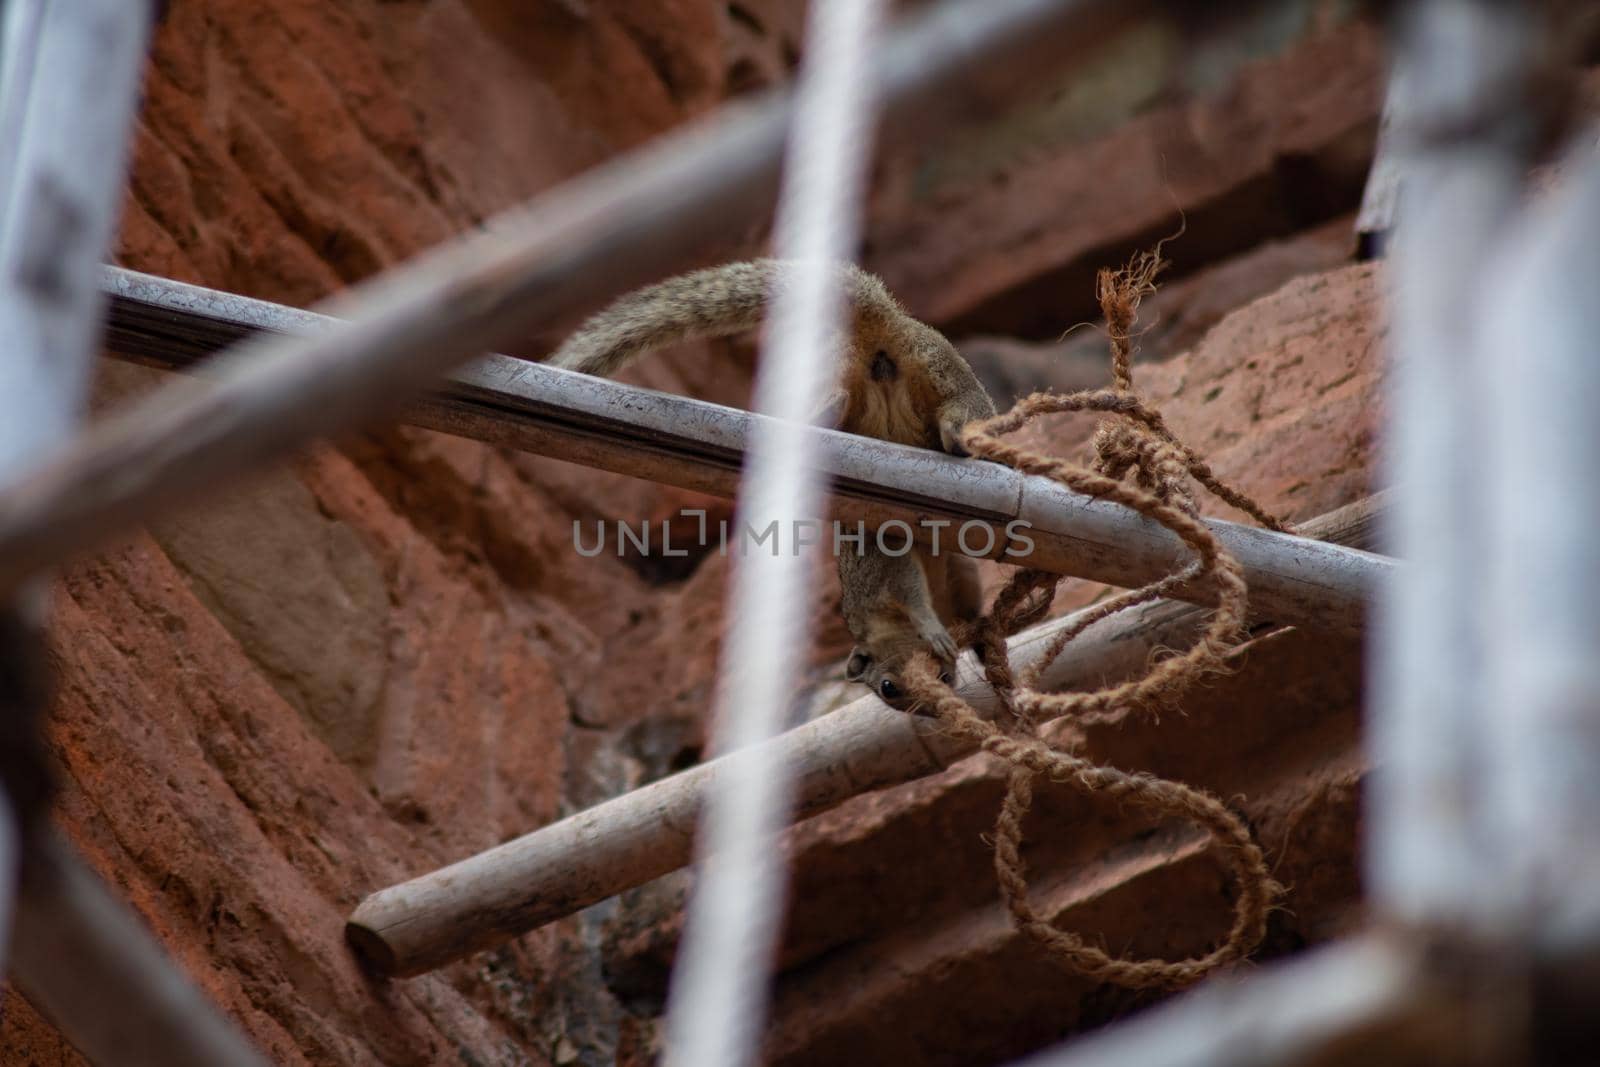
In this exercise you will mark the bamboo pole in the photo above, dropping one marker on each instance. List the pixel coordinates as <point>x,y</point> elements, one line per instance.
<point>620,225</point>
<point>1376,217</point>
<point>69,80</point>
<point>1463,130</point>
<point>69,76</point>
<point>19,45</point>
<point>89,965</point>
<point>1373,999</point>
<point>722,974</point>
<point>483,900</point>
<point>1539,384</point>
<point>701,446</point>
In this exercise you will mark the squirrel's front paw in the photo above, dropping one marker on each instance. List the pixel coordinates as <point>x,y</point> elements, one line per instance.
<point>941,644</point>
<point>950,437</point>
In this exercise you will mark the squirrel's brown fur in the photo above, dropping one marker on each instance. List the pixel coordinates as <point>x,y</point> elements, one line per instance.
<point>898,380</point>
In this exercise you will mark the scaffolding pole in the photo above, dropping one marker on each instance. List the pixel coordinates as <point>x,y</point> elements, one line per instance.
<point>1371,1000</point>
<point>701,446</point>
<point>552,872</point>
<point>90,966</point>
<point>717,1003</point>
<point>1540,388</point>
<point>1462,129</point>
<point>618,226</point>
<point>69,78</point>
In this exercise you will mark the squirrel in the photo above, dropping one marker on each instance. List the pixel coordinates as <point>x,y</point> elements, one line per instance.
<point>897,606</point>
<point>899,380</point>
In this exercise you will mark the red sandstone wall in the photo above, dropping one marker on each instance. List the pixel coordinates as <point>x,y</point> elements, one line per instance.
<point>386,656</point>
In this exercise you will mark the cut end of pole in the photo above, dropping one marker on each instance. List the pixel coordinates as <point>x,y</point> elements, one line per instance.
<point>375,953</point>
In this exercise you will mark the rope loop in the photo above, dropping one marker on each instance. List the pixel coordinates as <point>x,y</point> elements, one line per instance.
<point>1141,465</point>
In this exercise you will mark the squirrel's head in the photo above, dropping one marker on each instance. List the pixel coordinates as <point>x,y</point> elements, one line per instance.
<point>879,665</point>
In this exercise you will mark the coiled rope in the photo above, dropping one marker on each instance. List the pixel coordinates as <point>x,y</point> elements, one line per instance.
<point>1140,464</point>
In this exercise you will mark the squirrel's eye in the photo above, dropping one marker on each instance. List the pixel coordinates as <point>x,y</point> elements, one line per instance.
<point>889,690</point>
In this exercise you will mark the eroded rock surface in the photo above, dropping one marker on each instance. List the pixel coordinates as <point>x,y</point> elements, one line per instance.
<point>387,655</point>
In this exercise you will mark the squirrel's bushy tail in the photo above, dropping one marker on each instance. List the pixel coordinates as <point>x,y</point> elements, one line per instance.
<point>707,303</point>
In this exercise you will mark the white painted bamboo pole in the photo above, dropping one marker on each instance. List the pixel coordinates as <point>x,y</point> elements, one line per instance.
<point>87,963</point>
<point>1462,131</point>
<point>69,86</point>
<point>620,225</point>
<point>1379,199</point>
<point>1541,408</point>
<point>1359,1001</point>
<point>68,89</point>
<point>554,871</point>
<point>701,446</point>
<point>21,437</point>
<point>717,1003</point>
<point>19,45</point>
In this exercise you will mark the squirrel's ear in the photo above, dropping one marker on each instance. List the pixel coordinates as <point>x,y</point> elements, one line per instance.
<point>859,662</point>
